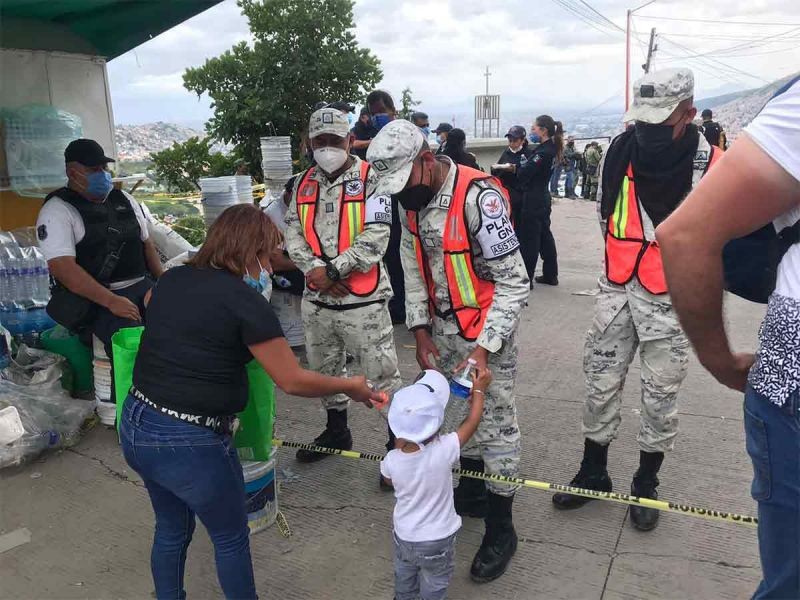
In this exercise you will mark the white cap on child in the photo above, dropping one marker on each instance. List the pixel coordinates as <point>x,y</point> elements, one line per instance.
<point>417,410</point>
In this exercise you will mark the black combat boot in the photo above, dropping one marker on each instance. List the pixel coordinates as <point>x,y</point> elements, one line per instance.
<point>336,435</point>
<point>591,476</point>
<point>644,485</point>
<point>383,483</point>
<point>471,497</point>
<point>499,542</point>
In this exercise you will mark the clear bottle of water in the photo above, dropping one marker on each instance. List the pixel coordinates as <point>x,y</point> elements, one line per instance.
<point>42,281</point>
<point>14,283</point>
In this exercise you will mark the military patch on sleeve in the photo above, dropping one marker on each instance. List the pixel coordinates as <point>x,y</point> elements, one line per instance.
<point>491,204</point>
<point>41,232</point>
<point>496,235</point>
<point>379,210</point>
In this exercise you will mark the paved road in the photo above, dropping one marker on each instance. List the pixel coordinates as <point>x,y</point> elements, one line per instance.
<point>91,521</point>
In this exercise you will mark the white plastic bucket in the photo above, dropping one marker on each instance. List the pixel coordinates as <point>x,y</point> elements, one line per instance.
<point>261,488</point>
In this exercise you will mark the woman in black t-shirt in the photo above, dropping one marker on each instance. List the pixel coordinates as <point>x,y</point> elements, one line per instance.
<point>206,321</point>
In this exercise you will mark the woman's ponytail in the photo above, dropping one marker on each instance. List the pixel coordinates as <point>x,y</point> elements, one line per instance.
<point>555,131</point>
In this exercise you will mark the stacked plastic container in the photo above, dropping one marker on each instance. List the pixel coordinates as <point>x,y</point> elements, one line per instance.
<point>106,409</point>
<point>244,189</point>
<point>262,494</point>
<point>218,193</point>
<point>276,162</point>
<point>24,290</point>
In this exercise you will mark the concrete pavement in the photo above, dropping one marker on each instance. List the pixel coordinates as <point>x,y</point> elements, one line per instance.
<point>92,524</point>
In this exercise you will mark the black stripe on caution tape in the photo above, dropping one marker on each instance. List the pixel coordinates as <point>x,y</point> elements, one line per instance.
<point>662,505</point>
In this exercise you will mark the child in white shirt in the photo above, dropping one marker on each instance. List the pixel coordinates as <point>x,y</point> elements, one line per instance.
<point>420,468</point>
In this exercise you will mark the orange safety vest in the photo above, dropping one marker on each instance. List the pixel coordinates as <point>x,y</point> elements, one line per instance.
<point>628,253</point>
<point>470,296</point>
<point>351,223</point>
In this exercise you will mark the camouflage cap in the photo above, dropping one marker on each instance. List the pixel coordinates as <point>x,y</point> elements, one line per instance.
<point>328,120</point>
<point>657,95</point>
<point>391,154</point>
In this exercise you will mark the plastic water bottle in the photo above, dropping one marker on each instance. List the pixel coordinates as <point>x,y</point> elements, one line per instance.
<point>42,281</point>
<point>26,280</point>
<point>461,385</point>
<point>14,283</point>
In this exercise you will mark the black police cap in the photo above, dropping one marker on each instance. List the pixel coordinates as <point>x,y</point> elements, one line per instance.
<point>87,152</point>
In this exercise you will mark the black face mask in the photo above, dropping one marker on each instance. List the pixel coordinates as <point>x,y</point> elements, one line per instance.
<point>415,197</point>
<point>654,139</point>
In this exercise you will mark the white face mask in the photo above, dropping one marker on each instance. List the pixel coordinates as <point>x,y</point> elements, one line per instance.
<point>330,159</point>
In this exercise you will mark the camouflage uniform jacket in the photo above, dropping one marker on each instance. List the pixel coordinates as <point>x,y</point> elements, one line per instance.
<point>367,249</point>
<point>503,266</point>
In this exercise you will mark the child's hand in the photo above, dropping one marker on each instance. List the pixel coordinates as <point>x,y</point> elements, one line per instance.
<point>481,378</point>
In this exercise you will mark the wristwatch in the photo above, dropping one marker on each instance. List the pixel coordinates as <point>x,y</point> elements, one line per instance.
<point>332,272</point>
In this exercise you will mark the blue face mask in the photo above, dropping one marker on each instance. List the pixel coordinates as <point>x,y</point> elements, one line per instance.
<point>263,283</point>
<point>440,139</point>
<point>98,184</point>
<point>426,131</point>
<point>379,120</point>
<point>534,139</point>
<point>351,119</point>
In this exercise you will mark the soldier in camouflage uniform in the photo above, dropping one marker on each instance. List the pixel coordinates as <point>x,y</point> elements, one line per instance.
<point>445,204</point>
<point>644,176</point>
<point>344,303</point>
<point>592,155</point>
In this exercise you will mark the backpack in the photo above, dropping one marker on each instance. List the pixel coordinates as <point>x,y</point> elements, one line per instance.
<point>750,263</point>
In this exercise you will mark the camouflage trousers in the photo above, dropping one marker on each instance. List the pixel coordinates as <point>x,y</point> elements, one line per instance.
<point>366,333</point>
<point>626,318</point>
<point>497,440</point>
<point>592,182</point>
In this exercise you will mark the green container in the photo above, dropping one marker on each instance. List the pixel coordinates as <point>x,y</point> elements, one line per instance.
<point>253,439</point>
<point>79,356</point>
<point>125,347</point>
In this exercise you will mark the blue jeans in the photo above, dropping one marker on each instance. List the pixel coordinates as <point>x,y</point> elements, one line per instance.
<point>188,471</point>
<point>554,177</point>
<point>423,569</point>
<point>569,184</point>
<point>773,443</point>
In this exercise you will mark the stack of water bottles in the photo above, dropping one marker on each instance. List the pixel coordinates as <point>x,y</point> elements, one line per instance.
<point>24,292</point>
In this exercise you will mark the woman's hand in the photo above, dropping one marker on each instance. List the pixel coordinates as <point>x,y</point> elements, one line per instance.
<point>361,392</point>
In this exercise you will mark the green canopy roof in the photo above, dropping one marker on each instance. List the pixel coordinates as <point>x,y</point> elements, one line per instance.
<point>111,27</point>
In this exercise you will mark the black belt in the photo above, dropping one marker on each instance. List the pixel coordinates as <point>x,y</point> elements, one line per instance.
<point>225,425</point>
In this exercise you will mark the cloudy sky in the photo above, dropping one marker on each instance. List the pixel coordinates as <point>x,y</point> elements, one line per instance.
<point>544,55</point>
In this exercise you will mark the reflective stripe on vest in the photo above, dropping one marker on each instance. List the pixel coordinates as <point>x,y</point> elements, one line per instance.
<point>352,214</point>
<point>470,296</point>
<point>628,252</point>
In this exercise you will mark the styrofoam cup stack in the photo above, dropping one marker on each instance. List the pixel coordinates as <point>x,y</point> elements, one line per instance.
<point>244,189</point>
<point>105,407</point>
<point>218,193</point>
<point>276,160</point>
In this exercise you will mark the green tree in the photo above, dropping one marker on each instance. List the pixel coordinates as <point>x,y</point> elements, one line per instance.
<point>407,104</point>
<point>302,52</point>
<point>192,229</point>
<point>181,166</point>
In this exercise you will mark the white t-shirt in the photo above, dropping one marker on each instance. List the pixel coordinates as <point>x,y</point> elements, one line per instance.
<point>423,487</point>
<point>60,227</point>
<point>776,130</point>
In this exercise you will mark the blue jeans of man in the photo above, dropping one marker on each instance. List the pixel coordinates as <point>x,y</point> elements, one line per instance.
<point>189,470</point>
<point>569,184</point>
<point>422,570</point>
<point>554,177</point>
<point>772,434</point>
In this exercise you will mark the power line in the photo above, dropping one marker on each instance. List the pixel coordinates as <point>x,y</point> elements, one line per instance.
<point>711,62</point>
<point>720,22</point>
<point>766,40</point>
<point>592,22</point>
<point>601,15</point>
<point>723,37</point>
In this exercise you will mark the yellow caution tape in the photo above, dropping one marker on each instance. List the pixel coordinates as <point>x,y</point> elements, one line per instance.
<point>662,505</point>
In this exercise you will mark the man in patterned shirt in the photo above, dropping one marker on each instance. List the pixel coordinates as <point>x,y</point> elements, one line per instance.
<point>756,182</point>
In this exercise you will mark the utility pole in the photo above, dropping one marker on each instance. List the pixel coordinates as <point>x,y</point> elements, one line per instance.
<point>628,53</point>
<point>487,75</point>
<point>651,49</point>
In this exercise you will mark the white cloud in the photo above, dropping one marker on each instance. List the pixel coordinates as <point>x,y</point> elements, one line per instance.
<point>541,56</point>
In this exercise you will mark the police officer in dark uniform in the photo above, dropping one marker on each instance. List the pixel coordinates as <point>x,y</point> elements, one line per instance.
<point>532,178</point>
<point>516,155</point>
<point>97,247</point>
